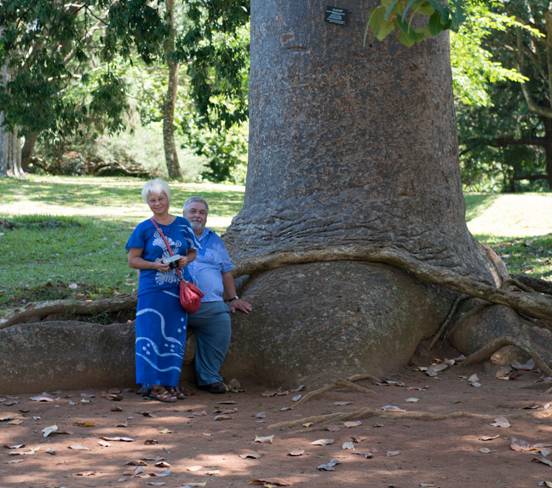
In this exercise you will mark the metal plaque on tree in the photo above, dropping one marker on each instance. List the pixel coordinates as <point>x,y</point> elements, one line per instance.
<point>336,15</point>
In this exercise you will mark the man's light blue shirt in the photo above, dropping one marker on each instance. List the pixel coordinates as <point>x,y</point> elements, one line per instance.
<point>212,260</point>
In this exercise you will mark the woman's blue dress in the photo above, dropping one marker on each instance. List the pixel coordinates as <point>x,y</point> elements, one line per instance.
<point>160,320</point>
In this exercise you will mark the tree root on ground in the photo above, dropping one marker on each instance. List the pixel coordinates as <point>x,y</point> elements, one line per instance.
<point>40,311</point>
<point>487,351</point>
<point>367,412</point>
<point>442,332</point>
<point>532,303</point>
<point>348,383</point>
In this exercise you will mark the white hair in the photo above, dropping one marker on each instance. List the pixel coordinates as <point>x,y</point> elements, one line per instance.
<point>196,199</point>
<point>156,186</point>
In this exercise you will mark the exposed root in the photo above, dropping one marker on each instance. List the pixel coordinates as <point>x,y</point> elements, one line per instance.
<point>450,316</point>
<point>487,351</point>
<point>353,386</point>
<point>535,284</point>
<point>348,383</point>
<point>529,303</point>
<point>368,412</point>
<point>70,308</point>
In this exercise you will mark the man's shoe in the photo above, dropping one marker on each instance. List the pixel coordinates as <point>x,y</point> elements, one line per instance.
<point>218,387</point>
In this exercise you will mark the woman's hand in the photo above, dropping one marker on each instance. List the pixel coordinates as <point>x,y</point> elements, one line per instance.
<point>160,266</point>
<point>183,261</point>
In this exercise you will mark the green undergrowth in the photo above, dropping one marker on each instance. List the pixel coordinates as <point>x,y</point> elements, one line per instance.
<point>529,255</point>
<point>47,258</point>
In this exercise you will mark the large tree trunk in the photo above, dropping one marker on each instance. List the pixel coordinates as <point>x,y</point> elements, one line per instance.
<point>350,145</point>
<point>171,156</point>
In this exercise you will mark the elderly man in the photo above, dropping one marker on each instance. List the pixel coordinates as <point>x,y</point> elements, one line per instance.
<point>211,324</point>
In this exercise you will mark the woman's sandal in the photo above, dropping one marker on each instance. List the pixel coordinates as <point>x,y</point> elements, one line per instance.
<point>162,395</point>
<point>178,393</point>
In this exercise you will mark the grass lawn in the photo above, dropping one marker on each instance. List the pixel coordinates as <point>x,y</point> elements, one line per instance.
<point>64,237</point>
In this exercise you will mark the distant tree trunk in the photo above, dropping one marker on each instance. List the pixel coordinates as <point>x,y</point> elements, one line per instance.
<point>10,149</point>
<point>10,152</point>
<point>548,149</point>
<point>351,146</point>
<point>28,150</point>
<point>171,156</point>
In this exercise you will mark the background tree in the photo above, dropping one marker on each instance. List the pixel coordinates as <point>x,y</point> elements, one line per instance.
<point>509,136</point>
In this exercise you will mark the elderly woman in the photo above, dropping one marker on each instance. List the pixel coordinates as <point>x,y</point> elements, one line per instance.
<point>160,320</point>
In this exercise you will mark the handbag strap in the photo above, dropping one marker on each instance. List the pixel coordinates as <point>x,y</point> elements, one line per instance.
<point>169,248</point>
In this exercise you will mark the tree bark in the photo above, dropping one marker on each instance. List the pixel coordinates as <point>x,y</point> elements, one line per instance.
<point>10,150</point>
<point>169,144</point>
<point>548,149</point>
<point>28,150</point>
<point>350,144</point>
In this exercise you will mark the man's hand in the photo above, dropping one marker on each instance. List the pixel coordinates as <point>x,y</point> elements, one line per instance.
<point>240,305</point>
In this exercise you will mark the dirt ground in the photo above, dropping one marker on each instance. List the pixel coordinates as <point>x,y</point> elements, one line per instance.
<point>204,439</point>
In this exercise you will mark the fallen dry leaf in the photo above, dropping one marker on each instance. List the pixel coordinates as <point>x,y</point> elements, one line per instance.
<point>485,438</point>
<point>46,431</point>
<point>412,400</point>
<point>162,474</point>
<point>342,404</point>
<point>522,445</point>
<point>42,398</point>
<point>296,452</point>
<point>352,423</point>
<point>366,454</point>
<point>392,408</point>
<point>117,439</point>
<point>485,450</point>
<point>78,447</point>
<point>14,446</point>
<point>347,445</point>
<point>30,452</point>
<point>392,453</point>
<point>269,482</point>
<point>86,474</point>
<point>501,422</point>
<point>543,460</point>
<point>329,466</point>
<point>140,462</point>
<point>322,442</point>
<point>264,439</point>
<point>250,455</point>
<point>84,423</point>
<point>435,369</point>
<point>218,418</point>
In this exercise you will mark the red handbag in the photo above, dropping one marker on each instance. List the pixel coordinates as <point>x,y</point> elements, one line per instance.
<point>190,295</point>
